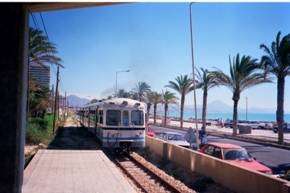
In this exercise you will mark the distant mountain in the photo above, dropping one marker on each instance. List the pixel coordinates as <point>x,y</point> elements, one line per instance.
<point>214,106</point>
<point>218,106</point>
<point>77,101</point>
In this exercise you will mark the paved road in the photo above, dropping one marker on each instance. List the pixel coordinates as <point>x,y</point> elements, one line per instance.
<point>259,133</point>
<point>275,158</point>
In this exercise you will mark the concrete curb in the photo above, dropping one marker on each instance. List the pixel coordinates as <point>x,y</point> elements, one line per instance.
<point>29,156</point>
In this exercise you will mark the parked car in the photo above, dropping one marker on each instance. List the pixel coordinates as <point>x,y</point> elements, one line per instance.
<point>228,123</point>
<point>286,128</point>
<point>267,126</point>
<point>234,154</point>
<point>174,138</point>
<point>150,132</point>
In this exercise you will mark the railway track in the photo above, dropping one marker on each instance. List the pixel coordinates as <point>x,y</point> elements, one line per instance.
<point>146,179</point>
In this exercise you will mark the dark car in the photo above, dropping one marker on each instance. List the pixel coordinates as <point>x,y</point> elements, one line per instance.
<point>228,124</point>
<point>286,128</point>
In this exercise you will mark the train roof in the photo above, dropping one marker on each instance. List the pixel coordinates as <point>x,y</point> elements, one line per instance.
<point>118,102</point>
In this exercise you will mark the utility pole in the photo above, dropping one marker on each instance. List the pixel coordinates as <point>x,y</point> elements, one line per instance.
<point>55,100</point>
<point>193,77</point>
<point>51,98</point>
<point>64,106</point>
<point>246,108</point>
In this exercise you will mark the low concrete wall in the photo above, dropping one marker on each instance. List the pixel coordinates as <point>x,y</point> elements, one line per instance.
<point>236,178</point>
<point>244,129</point>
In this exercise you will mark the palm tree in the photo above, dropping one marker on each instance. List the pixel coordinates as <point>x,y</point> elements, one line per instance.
<point>244,73</point>
<point>205,80</point>
<point>123,94</point>
<point>156,99</point>
<point>167,98</point>
<point>41,50</point>
<point>183,86</point>
<point>141,89</point>
<point>277,62</point>
<point>149,101</point>
<point>153,98</point>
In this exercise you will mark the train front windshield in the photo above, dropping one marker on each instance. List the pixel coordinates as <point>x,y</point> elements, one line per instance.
<point>113,117</point>
<point>137,117</point>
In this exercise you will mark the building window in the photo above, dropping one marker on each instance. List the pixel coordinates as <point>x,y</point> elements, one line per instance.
<point>113,117</point>
<point>137,117</point>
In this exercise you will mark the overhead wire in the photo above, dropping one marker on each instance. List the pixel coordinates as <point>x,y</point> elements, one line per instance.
<point>43,24</point>
<point>34,20</point>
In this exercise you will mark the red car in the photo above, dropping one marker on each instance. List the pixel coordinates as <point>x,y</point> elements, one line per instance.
<point>150,132</point>
<point>234,154</point>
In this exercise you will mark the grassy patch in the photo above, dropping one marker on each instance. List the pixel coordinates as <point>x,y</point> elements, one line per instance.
<point>39,130</point>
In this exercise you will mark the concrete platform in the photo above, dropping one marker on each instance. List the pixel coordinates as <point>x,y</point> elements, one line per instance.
<point>73,171</point>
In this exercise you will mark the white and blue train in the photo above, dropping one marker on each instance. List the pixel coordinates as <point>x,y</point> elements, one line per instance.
<point>117,122</point>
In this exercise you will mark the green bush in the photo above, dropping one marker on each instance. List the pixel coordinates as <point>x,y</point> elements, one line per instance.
<point>34,135</point>
<point>43,123</point>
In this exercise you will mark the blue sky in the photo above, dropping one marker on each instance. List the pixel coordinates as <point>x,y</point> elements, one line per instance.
<point>153,41</point>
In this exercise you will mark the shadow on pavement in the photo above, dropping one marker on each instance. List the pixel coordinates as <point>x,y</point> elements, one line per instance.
<point>74,138</point>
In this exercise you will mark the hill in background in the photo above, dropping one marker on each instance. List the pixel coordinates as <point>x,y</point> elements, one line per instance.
<point>76,101</point>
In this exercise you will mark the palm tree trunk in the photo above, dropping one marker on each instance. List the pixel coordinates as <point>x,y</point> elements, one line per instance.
<point>165,113</point>
<point>235,118</point>
<point>181,110</point>
<point>148,111</point>
<point>280,108</point>
<point>155,108</point>
<point>236,98</point>
<point>204,107</point>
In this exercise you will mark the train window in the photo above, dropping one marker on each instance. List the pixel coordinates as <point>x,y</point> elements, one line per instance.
<point>92,114</point>
<point>101,116</point>
<point>137,117</point>
<point>113,117</point>
<point>125,118</point>
<point>96,117</point>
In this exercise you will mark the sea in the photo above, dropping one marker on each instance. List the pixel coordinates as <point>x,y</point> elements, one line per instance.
<point>267,117</point>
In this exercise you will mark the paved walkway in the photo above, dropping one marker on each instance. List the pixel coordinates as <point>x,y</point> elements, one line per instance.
<point>73,171</point>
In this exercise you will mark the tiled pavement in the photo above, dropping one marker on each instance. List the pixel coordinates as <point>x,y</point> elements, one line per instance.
<point>73,171</point>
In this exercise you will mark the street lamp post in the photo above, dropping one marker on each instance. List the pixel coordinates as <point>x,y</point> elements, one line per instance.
<point>246,108</point>
<point>116,86</point>
<point>193,77</point>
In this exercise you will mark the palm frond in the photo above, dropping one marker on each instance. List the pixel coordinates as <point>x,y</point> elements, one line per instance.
<point>41,51</point>
<point>277,59</point>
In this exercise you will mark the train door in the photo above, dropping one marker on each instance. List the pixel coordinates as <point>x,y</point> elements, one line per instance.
<point>100,123</point>
<point>89,117</point>
<point>125,118</point>
<point>96,120</point>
